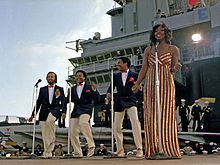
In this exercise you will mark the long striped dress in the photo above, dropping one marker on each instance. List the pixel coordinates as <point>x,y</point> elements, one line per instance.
<point>170,144</point>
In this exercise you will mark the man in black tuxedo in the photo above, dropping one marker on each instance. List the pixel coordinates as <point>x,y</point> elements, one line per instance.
<point>83,95</point>
<point>125,102</point>
<point>51,103</point>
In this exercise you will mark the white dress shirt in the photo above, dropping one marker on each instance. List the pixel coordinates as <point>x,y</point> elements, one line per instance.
<point>79,89</point>
<point>124,76</point>
<point>51,93</point>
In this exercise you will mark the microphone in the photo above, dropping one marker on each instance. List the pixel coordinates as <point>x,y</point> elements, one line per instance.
<point>156,45</point>
<point>38,81</point>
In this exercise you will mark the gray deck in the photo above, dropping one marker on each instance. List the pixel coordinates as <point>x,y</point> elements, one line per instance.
<point>190,160</point>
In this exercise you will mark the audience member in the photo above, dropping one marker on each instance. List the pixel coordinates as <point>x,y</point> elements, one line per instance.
<point>2,151</point>
<point>24,150</point>
<point>38,150</point>
<point>59,150</point>
<point>163,15</point>
<point>102,150</point>
<point>158,13</point>
<point>97,36</point>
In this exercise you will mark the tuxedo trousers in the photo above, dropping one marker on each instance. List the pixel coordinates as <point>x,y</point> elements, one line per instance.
<point>77,124</point>
<point>136,128</point>
<point>48,135</point>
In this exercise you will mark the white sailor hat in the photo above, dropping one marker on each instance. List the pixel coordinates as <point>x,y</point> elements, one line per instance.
<point>182,100</point>
<point>206,102</point>
<point>196,101</point>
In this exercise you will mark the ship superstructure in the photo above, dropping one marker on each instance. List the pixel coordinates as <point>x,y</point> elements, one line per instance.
<point>132,21</point>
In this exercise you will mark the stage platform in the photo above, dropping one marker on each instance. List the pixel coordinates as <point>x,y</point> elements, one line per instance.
<point>96,160</point>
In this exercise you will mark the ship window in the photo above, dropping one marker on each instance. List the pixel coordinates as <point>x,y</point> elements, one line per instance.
<point>128,51</point>
<point>73,60</point>
<point>143,48</point>
<point>114,54</point>
<point>93,58</point>
<point>87,60</point>
<point>100,58</point>
<point>92,79</point>
<point>75,64</point>
<point>80,60</point>
<point>107,78</point>
<point>136,49</point>
<point>107,56</point>
<point>100,79</point>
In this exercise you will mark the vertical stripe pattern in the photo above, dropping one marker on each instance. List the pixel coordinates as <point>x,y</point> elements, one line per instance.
<point>170,144</point>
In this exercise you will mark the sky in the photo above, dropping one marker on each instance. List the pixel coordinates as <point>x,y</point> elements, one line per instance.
<point>32,43</point>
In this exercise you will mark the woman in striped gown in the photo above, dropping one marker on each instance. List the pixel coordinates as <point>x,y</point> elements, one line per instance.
<point>166,145</point>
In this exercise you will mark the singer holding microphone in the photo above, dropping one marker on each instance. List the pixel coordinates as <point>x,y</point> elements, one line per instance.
<point>51,103</point>
<point>168,64</point>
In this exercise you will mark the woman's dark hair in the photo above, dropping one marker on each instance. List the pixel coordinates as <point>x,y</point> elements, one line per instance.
<point>54,75</point>
<point>125,60</point>
<point>167,31</point>
<point>83,72</point>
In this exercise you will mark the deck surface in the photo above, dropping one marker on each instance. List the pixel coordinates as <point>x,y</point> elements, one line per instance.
<point>190,160</point>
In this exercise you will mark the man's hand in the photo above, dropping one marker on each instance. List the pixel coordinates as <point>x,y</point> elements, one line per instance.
<point>63,115</point>
<point>109,96</point>
<point>30,119</point>
<point>93,84</point>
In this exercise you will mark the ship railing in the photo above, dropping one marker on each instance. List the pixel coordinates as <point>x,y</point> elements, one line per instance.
<point>102,87</point>
<point>197,52</point>
<point>181,6</point>
<point>107,64</point>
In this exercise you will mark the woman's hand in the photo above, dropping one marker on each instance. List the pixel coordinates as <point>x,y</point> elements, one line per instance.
<point>136,87</point>
<point>176,67</point>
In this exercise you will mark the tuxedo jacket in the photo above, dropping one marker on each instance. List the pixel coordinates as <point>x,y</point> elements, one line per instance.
<point>57,106</point>
<point>125,97</point>
<point>84,104</point>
